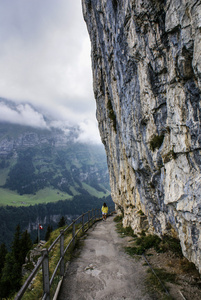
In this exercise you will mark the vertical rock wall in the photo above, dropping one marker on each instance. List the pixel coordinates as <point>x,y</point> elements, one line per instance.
<point>146,62</point>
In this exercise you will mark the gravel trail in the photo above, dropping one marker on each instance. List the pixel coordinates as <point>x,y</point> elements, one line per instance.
<point>103,270</point>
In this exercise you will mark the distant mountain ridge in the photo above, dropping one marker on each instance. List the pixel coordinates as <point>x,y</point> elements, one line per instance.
<point>14,137</point>
<point>33,159</point>
<point>45,173</point>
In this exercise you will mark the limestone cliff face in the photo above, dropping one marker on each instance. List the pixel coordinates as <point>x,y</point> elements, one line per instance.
<point>146,61</point>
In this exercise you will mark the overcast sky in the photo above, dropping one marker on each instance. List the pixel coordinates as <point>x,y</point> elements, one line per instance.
<point>45,61</point>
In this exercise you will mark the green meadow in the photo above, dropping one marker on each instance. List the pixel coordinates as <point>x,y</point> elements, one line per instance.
<point>44,196</point>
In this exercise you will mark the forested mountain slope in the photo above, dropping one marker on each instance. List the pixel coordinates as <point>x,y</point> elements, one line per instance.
<point>46,174</point>
<point>44,165</point>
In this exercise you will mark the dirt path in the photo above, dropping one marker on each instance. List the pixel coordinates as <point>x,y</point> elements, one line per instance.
<point>103,270</point>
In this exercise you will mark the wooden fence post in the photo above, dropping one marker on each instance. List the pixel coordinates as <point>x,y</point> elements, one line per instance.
<point>44,260</point>
<point>62,265</point>
<point>88,218</point>
<point>92,216</point>
<point>82,223</point>
<point>73,233</point>
<point>46,279</point>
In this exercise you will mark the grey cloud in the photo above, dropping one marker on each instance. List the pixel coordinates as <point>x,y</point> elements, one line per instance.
<point>45,59</point>
<point>26,114</point>
<point>89,132</point>
<point>22,114</point>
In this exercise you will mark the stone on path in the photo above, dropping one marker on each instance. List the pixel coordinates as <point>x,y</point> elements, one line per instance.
<point>103,270</point>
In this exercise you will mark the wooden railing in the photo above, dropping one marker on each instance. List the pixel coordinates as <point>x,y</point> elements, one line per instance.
<point>86,220</point>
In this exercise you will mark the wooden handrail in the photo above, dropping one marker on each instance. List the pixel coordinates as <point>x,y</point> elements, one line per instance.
<point>44,259</point>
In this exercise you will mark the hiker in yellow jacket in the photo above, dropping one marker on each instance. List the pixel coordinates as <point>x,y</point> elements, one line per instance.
<point>104,210</point>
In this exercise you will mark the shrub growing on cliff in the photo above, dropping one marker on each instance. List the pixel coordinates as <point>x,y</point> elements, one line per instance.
<point>118,218</point>
<point>156,142</point>
<point>112,115</point>
<point>149,241</point>
<point>172,244</point>
<point>144,243</point>
<point>170,155</point>
<point>115,4</point>
<point>127,231</point>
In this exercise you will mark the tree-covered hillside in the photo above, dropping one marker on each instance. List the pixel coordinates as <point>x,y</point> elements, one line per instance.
<point>45,174</point>
<point>28,217</point>
<point>32,161</point>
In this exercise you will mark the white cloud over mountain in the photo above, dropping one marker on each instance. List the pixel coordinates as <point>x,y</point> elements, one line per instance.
<point>45,61</point>
<point>25,114</point>
<point>22,114</point>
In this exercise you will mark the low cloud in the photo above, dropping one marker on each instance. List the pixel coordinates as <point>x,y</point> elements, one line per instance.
<point>22,114</point>
<point>85,131</point>
<point>89,132</point>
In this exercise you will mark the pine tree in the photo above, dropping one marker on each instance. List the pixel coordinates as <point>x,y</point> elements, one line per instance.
<point>25,246</point>
<point>62,222</point>
<point>3,252</point>
<point>12,269</point>
<point>16,245</point>
<point>11,277</point>
<point>49,230</point>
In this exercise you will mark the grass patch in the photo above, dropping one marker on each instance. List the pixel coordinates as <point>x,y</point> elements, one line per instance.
<point>145,242</point>
<point>35,291</point>
<point>5,171</point>
<point>128,231</point>
<point>118,218</point>
<point>132,251</point>
<point>46,195</point>
<point>169,243</point>
<point>3,176</point>
<point>154,285</point>
<point>188,267</point>
<point>92,191</point>
<point>163,275</point>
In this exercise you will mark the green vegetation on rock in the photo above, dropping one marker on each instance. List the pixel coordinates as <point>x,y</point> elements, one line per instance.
<point>156,141</point>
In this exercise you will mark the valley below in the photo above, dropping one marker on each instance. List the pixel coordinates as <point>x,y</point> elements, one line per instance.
<point>47,174</point>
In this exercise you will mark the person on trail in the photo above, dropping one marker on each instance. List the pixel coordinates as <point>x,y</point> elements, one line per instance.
<point>104,210</point>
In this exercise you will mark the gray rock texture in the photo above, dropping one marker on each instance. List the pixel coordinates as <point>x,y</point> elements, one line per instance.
<point>146,62</point>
